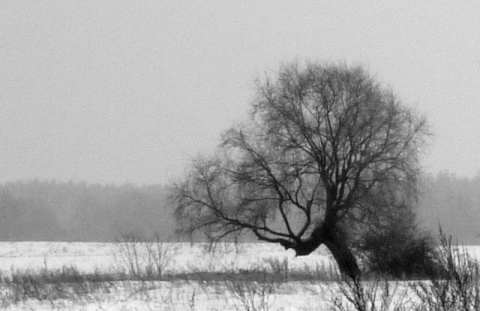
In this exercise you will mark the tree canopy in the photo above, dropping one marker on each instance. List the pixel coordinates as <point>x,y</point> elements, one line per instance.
<point>325,152</point>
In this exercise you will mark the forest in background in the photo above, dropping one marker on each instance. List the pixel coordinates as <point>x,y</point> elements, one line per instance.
<point>454,203</point>
<point>53,211</point>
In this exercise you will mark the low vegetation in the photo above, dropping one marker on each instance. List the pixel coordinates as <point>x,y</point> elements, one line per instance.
<point>400,251</point>
<point>142,258</point>
<point>142,276</point>
<point>453,284</point>
<point>51,285</point>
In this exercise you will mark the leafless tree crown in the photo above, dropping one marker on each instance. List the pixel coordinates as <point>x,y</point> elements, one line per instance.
<point>324,143</point>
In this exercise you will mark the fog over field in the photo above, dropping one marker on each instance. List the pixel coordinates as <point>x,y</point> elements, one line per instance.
<point>346,134</point>
<point>97,95</point>
<point>51,211</point>
<point>107,94</point>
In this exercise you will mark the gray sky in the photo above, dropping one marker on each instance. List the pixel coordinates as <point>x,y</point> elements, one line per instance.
<point>129,91</point>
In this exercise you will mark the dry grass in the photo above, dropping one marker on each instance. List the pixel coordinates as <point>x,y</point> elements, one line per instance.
<point>143,282</point>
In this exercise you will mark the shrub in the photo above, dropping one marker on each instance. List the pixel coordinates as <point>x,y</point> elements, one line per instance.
<point>374,295</point>
<point>400,251</point>
<point>456,287</point>
<point>251,295</point>
<point>143,258</point>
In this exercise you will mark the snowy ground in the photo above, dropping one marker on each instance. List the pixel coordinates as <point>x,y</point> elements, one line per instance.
<point>88,257</point>
<point>165,295</point>
<point>177,295</point>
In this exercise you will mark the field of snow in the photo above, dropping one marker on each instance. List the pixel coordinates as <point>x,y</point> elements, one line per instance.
<point>166,295</point>
<point>177,294</point>
<point>185,257</point>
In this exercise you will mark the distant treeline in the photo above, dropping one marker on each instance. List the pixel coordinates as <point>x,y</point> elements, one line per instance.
<point>52,211</point>
<point>454,203</point>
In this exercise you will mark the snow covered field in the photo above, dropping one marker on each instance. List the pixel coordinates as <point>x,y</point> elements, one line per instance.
<point>88,257</point>
<point>170,295</point>
<point>193,294</point>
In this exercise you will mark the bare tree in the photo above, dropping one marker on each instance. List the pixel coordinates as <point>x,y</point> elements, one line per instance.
<point>325,152</point>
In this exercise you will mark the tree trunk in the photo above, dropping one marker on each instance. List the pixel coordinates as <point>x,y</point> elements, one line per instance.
<point>336,244</point>
<point>347,263</point>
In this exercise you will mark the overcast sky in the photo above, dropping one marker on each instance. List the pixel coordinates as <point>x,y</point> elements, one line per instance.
<point>129,91</point>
